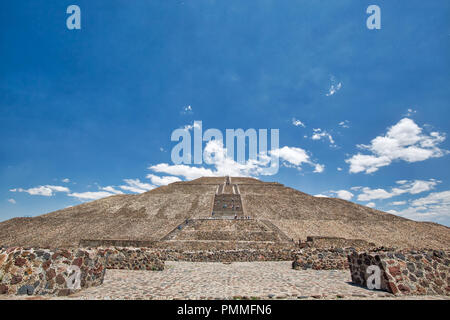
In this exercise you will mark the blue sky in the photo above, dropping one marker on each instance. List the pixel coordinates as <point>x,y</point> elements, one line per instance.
<point>87,113</point>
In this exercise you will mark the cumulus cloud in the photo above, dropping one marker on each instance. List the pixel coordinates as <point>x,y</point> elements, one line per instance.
<point>66,180</point>
<point>47,190</point>
<point>319,168</point>
<point>298,123</point>
<point>318,134</point>
<point>136,186</point>
<point>371,205</point>
<point>404,141</point>
<point>398,203</point>
<point>216,155</point>
<point>411,187</point>
<point>435,205</point>
<point>292,155</point>
<point>12,201</point>
<point>162,181</point>
<point>321,196</point>
<point>343,194</point>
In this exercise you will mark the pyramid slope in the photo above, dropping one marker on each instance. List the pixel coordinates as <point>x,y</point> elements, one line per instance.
<point>152,215</point>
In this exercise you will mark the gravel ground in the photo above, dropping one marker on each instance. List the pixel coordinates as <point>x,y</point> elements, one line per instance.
<point>238,280</point>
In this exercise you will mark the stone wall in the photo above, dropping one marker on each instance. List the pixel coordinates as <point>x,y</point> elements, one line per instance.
<point>405,272</point>
<point>335,242</point>
<point>190,245</point>
<point>153,259</point>
<point>322,259</point>
<point>133,259</point>
<point>242,255</point>
<point>54,272</point>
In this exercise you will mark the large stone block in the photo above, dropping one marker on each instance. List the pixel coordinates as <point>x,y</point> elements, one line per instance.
<point>424,272</point>
<point>55,272</point>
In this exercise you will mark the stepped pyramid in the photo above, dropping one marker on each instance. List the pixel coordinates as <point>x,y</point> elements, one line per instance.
<point>219,212</point>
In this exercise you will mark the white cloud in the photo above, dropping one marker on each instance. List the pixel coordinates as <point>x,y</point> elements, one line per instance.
<point>136,186</point>
<point>90,195</point>
<point>403,141</point>
<point>411,187</point>
<point>47,190</point>
<point>410,112</point>
<point>295,156</point>
<point>373,194</point>
<point>435,205</point>
<point>216,156</point>
<point>344,194</point>
<point>371,205</point>
<point>187,110</point>
<point>112,190</point>
<point>66,180</point>
<point>319,168</point>
<point>12,201</point>
<point>321,196</point>
<point>339,169</point>
<point>162,181</point>
<point>435,198</point>
<point>398,203</point>
<point>298,123</point>
<point>182,170</point>
<point>344,124</point>
<point>319,134</point>
<point>334,88</point>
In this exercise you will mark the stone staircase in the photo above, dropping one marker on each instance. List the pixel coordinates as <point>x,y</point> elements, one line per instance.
<point>227,227</point>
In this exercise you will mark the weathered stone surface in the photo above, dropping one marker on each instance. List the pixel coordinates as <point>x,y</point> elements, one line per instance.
<point>417,276</point>
<point>321,259</point>
<point>27,271</point>
<point>133,259</point>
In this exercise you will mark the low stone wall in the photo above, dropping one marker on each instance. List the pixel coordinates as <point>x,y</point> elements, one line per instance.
<point>243,255</point>
<point>404,272</point>
<point>153,259</point>
<point>133,259</point>
<point>54,272</point>
<point>322,259</point>
<point>190,245</point>
<point>335,242</point>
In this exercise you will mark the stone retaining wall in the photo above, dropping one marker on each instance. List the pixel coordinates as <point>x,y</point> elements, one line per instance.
<point>405,272</point>
<point>335,242</point>
<point>54,272</point>
<point>153,259</point>
<point>322,259</point>
<point>190,245</point>
<point>133,259</point>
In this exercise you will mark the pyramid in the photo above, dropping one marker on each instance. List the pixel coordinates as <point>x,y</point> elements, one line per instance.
<point>219,212</point>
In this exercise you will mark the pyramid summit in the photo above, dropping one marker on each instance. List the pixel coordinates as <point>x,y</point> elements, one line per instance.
<point>222,213</point>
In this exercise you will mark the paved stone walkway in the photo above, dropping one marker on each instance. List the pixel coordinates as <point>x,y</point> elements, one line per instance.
<point>249,280</point>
